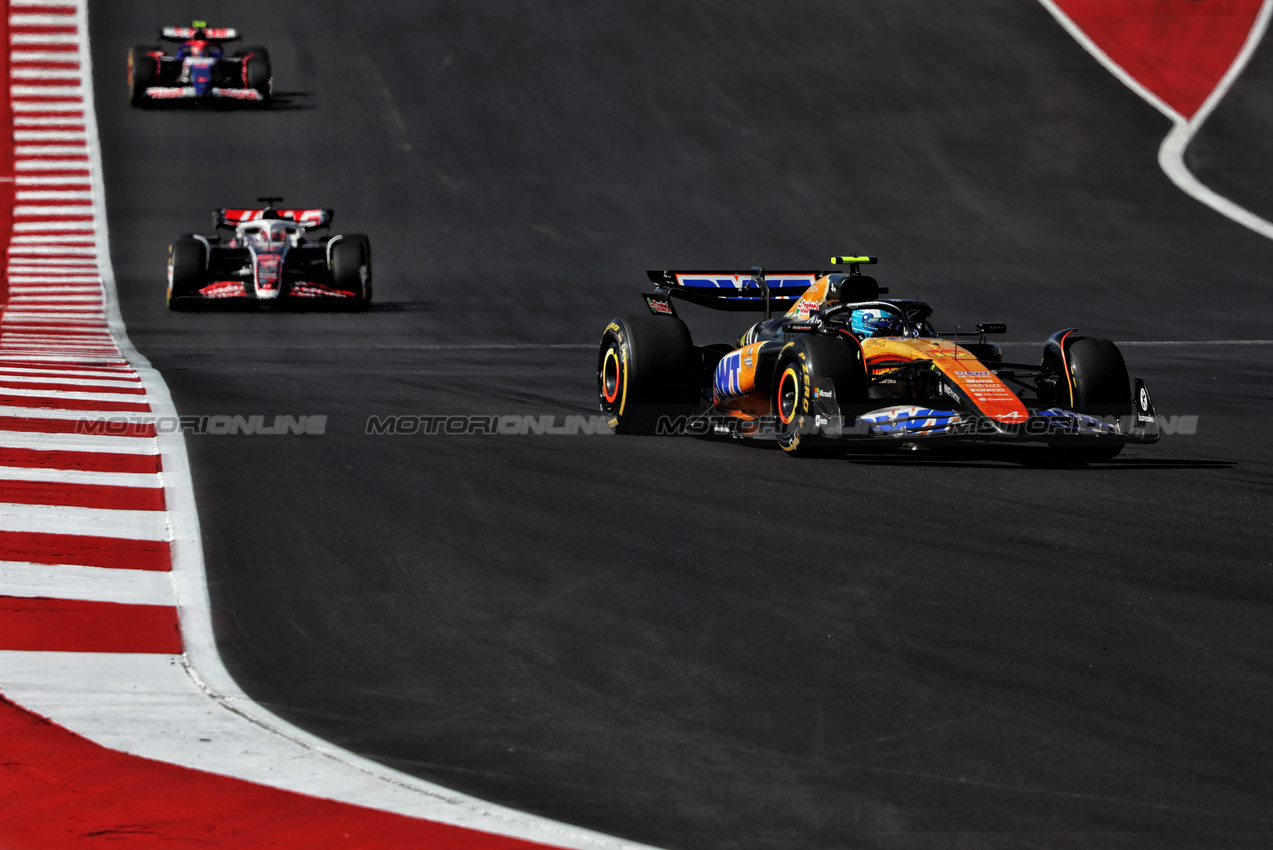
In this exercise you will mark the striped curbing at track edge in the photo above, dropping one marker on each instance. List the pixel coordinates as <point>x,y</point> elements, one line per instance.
<point>111,683</point>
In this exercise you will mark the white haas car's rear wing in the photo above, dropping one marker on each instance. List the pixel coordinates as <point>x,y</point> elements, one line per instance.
<point>306,218</point>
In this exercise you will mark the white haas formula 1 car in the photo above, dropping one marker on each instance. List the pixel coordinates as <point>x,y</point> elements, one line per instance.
<point>272,257</point>
<point>199,71</point>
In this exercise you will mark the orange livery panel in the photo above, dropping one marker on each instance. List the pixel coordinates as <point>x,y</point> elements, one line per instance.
<point>811,301</point>
<point>735,375</point>
<point>979,385</point>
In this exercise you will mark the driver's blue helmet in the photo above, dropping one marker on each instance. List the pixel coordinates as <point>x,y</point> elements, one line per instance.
<point>871,322</point>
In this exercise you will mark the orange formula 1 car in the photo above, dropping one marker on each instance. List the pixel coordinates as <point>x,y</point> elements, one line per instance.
<point>843,363</point>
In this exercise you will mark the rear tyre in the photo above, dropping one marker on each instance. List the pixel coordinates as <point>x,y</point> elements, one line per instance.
<point>1099,386</point>
<point>187,271</point>
<point>799,365</point>
<point>257,72</point>
<point>351,267</point>
<point>647,370</point>
<point>142,73</point>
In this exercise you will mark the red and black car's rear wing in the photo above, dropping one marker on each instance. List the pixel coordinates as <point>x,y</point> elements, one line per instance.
<point>230,218</point>
<point>201,33</point>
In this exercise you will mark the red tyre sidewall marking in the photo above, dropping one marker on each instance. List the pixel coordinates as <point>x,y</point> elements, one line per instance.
<point>605,373</point>
<point>785,417</point>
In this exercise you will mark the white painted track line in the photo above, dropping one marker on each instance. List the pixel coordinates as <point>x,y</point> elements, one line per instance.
<point>105,395</point>
<point>74,415</point>
<point>1171,153</point>
<point>121,376</point>
<point>81,476</point>
<point>65,581</point>
<point>94,522</point>
<point>77,442</point>
<point>98,384</point>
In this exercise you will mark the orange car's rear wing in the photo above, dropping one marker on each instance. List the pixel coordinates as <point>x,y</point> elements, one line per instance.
<point>753,289</point>
<point>736,290</point>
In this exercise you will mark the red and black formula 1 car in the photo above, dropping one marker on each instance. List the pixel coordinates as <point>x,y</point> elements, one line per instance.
<point>845,364</point>
<point>200,70</point>
<point>273,257</point>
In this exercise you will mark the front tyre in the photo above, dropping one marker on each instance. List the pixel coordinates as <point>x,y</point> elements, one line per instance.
<point>351,267</point>
<point>799,366</point>
<point>187,270</point>
<point>142,73</point>
<point>790,402</point>
<point>258,74</point>
<point>647,371</point>
<point>1099,385</point>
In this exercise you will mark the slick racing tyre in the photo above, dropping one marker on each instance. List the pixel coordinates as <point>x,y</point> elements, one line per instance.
<point>647,371</point>
<point>141,73</point>
<point>257,73</point>
<point>800,364</point>
<point>187,268</point>
<point>351,267</point>
<point>1099,386</point>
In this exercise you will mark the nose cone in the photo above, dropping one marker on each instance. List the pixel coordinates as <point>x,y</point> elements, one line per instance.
<point>201,76</point>
<point>268,274</point>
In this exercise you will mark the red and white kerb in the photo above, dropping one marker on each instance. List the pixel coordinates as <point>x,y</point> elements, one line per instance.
<point>117,717</point>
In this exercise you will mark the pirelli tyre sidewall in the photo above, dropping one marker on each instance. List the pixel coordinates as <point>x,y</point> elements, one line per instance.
<point>799,364</point>
<point>257,72</point>
<point>187,268</point>
<point>141,73</point>
<point>1098,384</point>
<point>1101,384</point>
<point>647,370</point>
<point>789,402</point>
<point>351,267</point>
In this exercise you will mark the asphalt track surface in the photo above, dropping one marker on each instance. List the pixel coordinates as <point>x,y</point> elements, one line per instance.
<point>1231,152</point>
<point>704,644</point>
